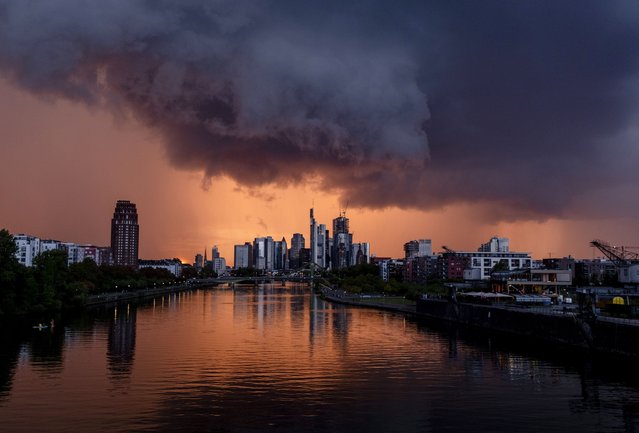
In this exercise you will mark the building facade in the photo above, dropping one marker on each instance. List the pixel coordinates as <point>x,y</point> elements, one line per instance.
<point>125,234</point>
<point>243,256</point>
<point>28,248</point>
<point>418,248</point>
<point>342,243</point>
<point>297,244</point>
<point>320,251</point>
<point>171,265</point>
<point>263,253</point>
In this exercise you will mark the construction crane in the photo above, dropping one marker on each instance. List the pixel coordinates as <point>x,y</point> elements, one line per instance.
<point>448,250</point>
<point>343,211</point>
<point>620,256</point>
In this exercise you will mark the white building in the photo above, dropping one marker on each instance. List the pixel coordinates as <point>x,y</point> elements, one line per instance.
<point>219,266</point>
<point>360,253</point>
<point>320,244</point>
<point>75,253</point>
<point>481,263</point>
<point>171,265</point>
<point>49,245</point>
<point>496,245</point>
<point>28,248</point>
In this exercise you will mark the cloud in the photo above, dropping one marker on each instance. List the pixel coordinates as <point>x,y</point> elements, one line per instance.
<point>517,105</point>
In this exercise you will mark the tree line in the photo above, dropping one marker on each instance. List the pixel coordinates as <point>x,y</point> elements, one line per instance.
<point>52,284</point>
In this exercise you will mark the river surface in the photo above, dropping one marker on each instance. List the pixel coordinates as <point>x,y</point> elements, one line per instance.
<point>278,359</point>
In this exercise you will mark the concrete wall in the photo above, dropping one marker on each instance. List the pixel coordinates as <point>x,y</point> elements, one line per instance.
<point>596,334</point>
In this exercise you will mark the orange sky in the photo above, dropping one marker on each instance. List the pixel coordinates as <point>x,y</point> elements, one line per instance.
<point>64,166</point>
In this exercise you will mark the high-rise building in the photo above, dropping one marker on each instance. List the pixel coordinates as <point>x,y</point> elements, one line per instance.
<point>297,243</point>
<point>418,248</point>
<point>263,253</point>
<point>319,243</point>
<point>280,255</point>
<point>125,233</point>
<point>219,265</point>
<point>342,243</point>
<point>199,261</point>
<point>215,252</point>
<point>243,256</point>
<point>495,245</point>
<point>360,253</point>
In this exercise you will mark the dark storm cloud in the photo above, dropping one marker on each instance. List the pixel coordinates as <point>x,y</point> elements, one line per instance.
<point>524,105</point>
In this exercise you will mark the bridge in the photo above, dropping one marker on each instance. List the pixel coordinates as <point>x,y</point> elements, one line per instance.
<point>261,279</point>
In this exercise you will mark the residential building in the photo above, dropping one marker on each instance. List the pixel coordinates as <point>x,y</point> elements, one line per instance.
<point>28,247</point>
<point>125,233</point>
<point>174,266</point>
<point>49,245</point>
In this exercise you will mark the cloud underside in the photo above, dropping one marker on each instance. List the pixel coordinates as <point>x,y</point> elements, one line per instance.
<point>529,108</point>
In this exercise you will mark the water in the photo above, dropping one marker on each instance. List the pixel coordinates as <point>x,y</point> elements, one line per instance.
<point>278,359</point>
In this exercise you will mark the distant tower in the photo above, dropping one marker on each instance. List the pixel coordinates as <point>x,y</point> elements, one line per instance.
<point>313,246</point>
<point>125,234</point>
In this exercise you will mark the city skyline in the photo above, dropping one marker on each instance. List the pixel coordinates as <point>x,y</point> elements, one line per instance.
<point>431,128</point>
<point>341,222</point>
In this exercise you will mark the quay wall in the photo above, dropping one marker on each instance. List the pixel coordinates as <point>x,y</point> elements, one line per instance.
<point>598,334</point>
<point>114,297</point>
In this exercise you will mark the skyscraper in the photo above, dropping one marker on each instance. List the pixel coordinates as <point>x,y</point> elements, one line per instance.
<point>319,243</point>
<point>342,242</point>
<point>125,233</point>
<point>243,256</point>
<point>297,243</point>
<point>264,253</point>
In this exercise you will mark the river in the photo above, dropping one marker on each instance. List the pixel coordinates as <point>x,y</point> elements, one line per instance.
<point>278,359</point>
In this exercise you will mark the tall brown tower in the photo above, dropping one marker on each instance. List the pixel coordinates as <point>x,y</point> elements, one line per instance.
<point>125,234</point>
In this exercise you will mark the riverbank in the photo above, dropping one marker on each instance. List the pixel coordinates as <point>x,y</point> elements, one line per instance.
<point>135,295</point>
<point>606,336</point>
<point>387,303</point>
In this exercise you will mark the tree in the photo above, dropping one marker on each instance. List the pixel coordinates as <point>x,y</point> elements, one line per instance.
<point>51,275</point>
<point>9,269</point>
<point>8,249</point>
<point>501,266</point>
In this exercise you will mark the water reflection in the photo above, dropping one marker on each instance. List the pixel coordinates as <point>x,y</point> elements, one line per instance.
<point>9,351</point>
<point>121,343</point>
<point>276,358</point>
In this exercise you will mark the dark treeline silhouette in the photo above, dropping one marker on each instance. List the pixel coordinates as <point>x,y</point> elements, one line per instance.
<point>51,284</point>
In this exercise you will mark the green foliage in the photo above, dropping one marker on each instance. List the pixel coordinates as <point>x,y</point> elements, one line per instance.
<point>245,272</point>
<point>366,279</point>
<point>500,266</point>
<point>50,284</point>
<point>9,268</point>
